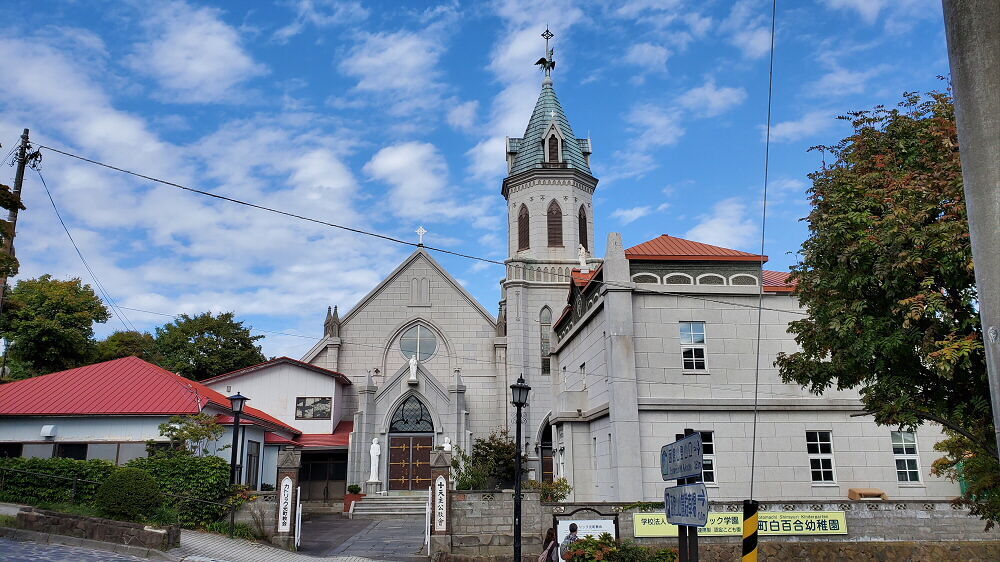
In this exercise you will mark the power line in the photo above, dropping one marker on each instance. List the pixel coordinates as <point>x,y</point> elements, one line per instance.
<point>400,241</point>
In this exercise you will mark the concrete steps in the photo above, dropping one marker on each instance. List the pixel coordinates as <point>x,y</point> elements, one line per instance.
<point>390,507</point>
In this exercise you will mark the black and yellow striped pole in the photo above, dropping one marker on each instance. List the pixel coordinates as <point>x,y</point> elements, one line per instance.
<point>749,530</point>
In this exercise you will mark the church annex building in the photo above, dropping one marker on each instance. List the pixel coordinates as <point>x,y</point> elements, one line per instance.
<point>622,352</point>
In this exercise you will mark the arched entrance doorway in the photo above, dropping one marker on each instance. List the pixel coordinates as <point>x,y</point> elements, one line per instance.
<point>411,437</point>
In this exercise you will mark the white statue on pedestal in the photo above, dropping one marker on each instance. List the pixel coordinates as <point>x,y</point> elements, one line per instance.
<point>413,369</point>
<point>446,446</point>
<point>375,451</point>
<point>581,254</point>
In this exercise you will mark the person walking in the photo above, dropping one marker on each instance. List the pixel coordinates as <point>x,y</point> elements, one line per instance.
<point>550,548</point>
<point>568,542</point>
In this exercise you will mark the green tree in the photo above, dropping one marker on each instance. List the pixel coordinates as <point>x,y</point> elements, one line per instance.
<point>190,435</point>
<point>125,344</point>
<point>50,325</point>
<point>887,280</point>
<point>204,345</point>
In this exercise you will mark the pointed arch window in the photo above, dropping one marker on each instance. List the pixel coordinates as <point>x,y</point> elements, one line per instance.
<point>411,417</point>
<point>553,148</point>
<point>523,238</point>
<point>545,325</point>
<point>554,220</point>
<point>582,218</point>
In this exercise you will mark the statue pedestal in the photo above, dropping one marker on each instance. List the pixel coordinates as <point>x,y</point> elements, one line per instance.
<point>372,488</point>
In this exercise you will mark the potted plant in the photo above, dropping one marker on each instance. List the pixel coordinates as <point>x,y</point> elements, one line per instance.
<point>353,494</point>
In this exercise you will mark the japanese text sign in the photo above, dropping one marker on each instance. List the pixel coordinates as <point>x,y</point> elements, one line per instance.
<point>731,524</point>
<point>682,458</point>
<point>686,505</point>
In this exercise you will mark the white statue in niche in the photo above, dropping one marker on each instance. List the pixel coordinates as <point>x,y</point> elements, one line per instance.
<point>413,369</point>
<point>375,451</point>
<point>581,254</point>
<point>446,446</point>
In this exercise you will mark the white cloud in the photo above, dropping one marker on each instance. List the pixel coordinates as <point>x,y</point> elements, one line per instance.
<point>399,68</point>
<point>803,127</point>
<point>727,226</point>
<point>320,13</point>
<point>841,82</point>
<point>708,100</point>
<point>654,125</point>
<point>630,215</point>
<point>650,57</point>
<point>462,116</point>
<point>193,54</point>
<point>867,9</point>
<point>749,29</point>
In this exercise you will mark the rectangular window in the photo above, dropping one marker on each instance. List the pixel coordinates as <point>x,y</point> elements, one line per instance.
<point>10,450</point>
<point>313,408</point>
<point>708,452</point>
<point>76,451</point>
<point>819,445</point>
<point>693,346</point>
<point>904,448</point>
<point>253,463</point>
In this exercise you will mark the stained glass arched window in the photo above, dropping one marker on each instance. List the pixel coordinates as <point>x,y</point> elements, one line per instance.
<point>411,417</point>
<point>554,222</point>
<point>522,229</point>
<point>582,218</point>
<point>418,340</point>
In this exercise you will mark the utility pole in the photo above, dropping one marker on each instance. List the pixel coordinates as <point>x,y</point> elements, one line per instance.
<point>8,243</point>
<point>974,53</point>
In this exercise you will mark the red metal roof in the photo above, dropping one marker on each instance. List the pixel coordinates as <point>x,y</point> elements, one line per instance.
<point>580,278</point>
<point>339,438</point>
<point>778,281</point>
<point>127,386</point>
<point>666,247</point>
<point>341,377</point>
<point>271,438</point>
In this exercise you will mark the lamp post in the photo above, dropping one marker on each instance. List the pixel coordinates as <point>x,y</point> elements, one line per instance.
<point>519,398</point>
<point>237,401</point>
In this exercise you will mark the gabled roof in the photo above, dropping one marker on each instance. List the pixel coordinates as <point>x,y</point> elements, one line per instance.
<point>778,281</point>
<point>127,386</point>
<point>529,152</point>
<point>340,437</point>
<point>671,248</point>
<point>341,377</point>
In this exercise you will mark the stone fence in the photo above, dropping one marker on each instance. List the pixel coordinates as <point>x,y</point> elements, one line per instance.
<point>95,528</point>
<point>481,526</point>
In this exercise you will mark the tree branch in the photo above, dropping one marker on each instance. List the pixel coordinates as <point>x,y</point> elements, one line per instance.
<point>986,446</point>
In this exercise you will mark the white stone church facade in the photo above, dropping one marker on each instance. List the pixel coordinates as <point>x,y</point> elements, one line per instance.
<point>621,355</point>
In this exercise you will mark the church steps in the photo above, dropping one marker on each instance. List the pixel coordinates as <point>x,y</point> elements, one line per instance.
<point>390,507</point>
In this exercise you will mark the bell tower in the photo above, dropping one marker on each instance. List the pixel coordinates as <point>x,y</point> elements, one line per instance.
<point>549,192</point>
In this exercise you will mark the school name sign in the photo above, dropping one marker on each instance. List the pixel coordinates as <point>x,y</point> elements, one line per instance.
<point>731,524</point>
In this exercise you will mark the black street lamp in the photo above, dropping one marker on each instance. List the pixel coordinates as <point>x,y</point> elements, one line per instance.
<point>519,398</point>
<point>237,401</point>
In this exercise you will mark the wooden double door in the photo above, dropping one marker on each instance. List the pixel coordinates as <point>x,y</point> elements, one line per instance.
<point>410,462</point>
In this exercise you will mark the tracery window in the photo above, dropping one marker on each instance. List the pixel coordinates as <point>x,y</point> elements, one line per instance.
<point>523,239</point>
<point>554,220</point>
<point>411,417</point>
<point>582,218</point>
<point>545,324</point>
<point>418,340</point>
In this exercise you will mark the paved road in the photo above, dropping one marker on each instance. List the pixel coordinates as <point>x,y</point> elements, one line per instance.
<point>15,551</point>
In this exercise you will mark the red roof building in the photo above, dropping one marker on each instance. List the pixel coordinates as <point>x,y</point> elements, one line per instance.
<point>670,248</point>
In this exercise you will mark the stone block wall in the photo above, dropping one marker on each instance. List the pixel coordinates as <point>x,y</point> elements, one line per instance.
<point>95,528</point>
<point>261,513</point>
<point>482,523</point>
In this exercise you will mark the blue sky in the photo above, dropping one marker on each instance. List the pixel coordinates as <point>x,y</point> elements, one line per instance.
<point>387,116</point>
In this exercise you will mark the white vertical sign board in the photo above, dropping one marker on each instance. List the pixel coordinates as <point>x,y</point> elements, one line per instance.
<point>686,505</point>
<point>440,504</point>
<point>285,505</point>
<point>298,516</point>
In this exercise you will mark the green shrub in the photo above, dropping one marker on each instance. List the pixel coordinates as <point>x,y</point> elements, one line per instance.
<point>32,489</point>
<point>7,521</point>
<point>354,489</point>
<point>491,464</point>
<point>240,530</point>
<point>605,547</point>
<point>203,478</point>
<point>555,491</point>
<point>129,493</point>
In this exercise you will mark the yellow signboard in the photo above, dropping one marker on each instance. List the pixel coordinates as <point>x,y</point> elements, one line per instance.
<point>731,524</point>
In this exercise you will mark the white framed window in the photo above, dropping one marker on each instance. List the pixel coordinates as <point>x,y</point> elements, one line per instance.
<point>708,453</point>
<point>819,445</point>
<point>904,448</point>
<point>693,346</point>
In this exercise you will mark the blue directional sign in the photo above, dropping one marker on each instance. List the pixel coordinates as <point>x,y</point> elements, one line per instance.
<point>682,458</point>
<point>686,504</point>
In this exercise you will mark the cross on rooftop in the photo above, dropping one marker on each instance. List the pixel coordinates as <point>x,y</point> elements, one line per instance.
<point>420,232</point>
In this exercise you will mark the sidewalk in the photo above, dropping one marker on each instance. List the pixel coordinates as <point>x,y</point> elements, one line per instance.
<point>209,547</point>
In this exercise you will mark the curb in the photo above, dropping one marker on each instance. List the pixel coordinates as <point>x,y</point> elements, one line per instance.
<point>65,540</point>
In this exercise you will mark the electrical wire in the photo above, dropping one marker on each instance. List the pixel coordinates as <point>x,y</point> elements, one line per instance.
<point>398,240</point>
<point>763,224</point>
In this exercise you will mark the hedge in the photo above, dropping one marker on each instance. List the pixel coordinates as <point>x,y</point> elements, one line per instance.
<point>205,478</point>
<point>129,493</point>
<point>18,487</point>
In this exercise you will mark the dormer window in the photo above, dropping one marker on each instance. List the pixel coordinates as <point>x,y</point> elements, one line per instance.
<point>553,148</point>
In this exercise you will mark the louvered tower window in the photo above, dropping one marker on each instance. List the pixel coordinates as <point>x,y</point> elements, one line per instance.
<point>545,324</point>
<point>522,228</point>
<point>554,220</point>
<point>553,148</point>
<point>582,217</point>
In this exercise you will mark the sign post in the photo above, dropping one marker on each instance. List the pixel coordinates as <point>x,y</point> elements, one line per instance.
<point>686,504</point>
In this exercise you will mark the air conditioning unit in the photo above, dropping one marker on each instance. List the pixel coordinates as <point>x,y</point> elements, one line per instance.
<point>48,431</point>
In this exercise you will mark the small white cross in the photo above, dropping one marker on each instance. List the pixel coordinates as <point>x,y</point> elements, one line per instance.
<point>552,114</point>
<point>420,232</point>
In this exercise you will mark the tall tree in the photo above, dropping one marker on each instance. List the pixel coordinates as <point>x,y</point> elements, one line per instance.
<point>886,277</point>
<point>50,325</point>
<point>125,343</point>
<point>203,346</point>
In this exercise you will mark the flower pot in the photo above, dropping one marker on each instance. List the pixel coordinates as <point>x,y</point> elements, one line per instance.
<point>350,499</point>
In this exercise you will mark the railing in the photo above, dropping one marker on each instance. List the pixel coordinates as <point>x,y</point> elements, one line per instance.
<point>427,521</point>
<point>3,481</point>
